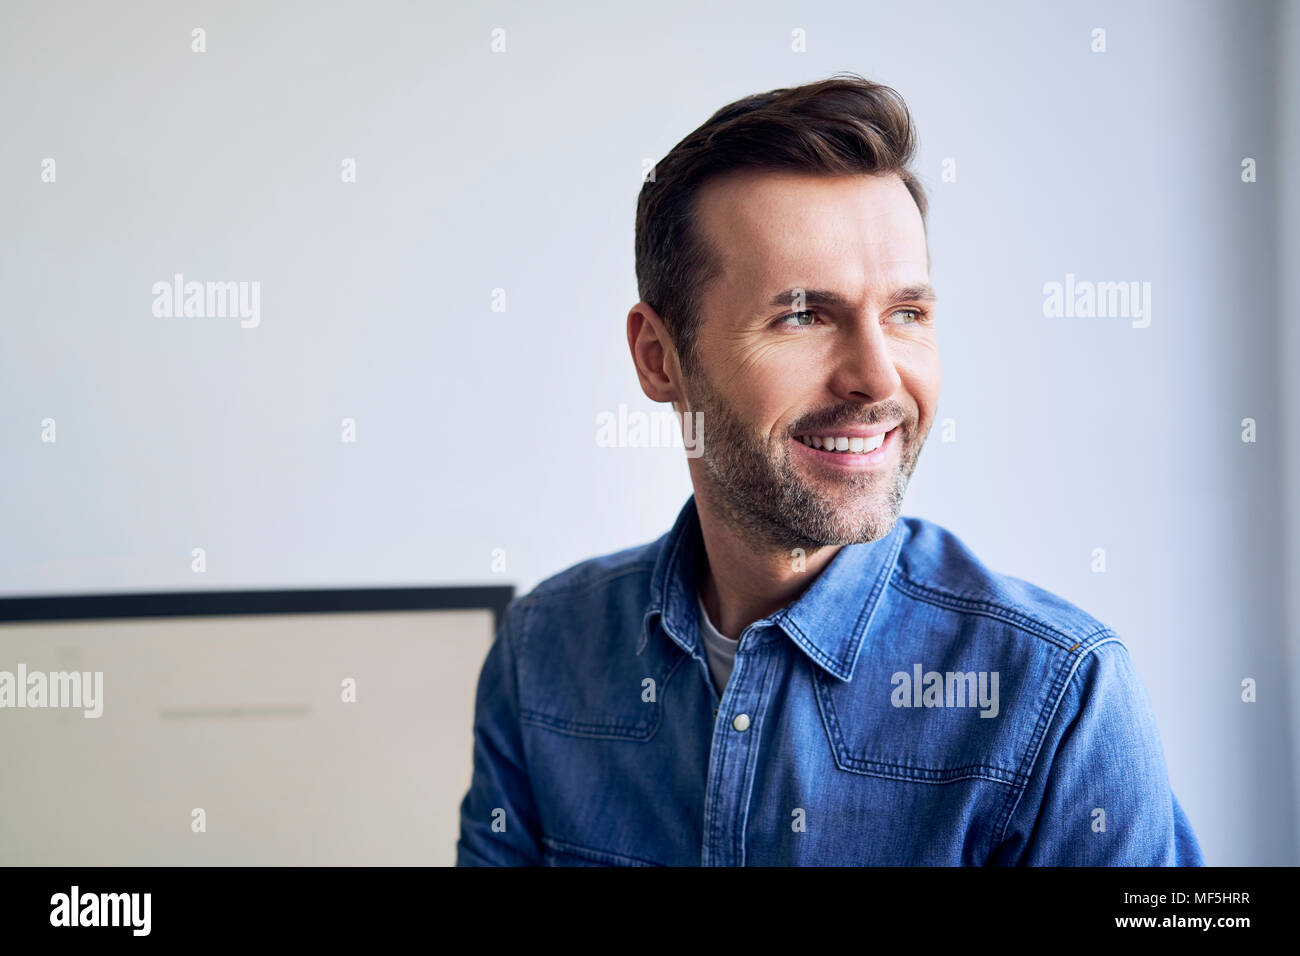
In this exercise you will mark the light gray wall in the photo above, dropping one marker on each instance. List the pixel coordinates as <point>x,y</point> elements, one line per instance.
<point>1287,264</point>
<point>519,171</point>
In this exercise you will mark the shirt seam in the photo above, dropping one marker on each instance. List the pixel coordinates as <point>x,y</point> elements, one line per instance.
<point>896,771</point>
<point>591,854</point>
<point>545,592</point>
<point>848,663</point>
<point>607,731</point>
<point>1034,752</point>
<point>754,743</point>
<point>957,602</point>
<point>514,637</point>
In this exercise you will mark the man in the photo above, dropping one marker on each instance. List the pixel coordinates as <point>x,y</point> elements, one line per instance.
<point>794,674</point>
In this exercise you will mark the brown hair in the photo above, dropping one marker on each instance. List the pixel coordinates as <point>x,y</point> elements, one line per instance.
<point>842,125</point>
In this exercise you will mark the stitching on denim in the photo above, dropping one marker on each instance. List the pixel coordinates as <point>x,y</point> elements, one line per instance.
<point>873,600</point>
<point>593,855</point>
<point>869,610</point>
<point>940,598</point>
<point>607,731</point>
<point>570,590</point>
<point>643,639</point>
<point>675,589</point>
<point>669,561</point>
<point>756,727</point>
<point>1056,692</point>
<point>615,731</point>
<point>522,611</point>
<point>730,833</point>
<point>712,823</point>
<point>1034,751</point>
<point>896,771</point>
<point>811,649</point>
<point>864,617</point>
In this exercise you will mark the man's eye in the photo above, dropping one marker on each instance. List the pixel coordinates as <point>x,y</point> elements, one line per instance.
<point>798,317</point>
<point>916,316</point>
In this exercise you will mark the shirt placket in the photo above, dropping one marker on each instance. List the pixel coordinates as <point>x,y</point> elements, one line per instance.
<point>737,727</point>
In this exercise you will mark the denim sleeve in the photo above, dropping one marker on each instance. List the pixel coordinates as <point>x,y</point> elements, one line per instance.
<point>1098,793</point>
<point>498,817</point>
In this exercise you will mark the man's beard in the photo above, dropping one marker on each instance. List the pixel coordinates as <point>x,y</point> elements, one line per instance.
<point>766,498</point>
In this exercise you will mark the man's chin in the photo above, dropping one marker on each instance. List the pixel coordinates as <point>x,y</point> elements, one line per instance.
<point>856,519</point>
<point>870,528</point>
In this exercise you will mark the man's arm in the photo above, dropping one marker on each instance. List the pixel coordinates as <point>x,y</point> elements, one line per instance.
<point>1099,791</point>
<point>498,819</point>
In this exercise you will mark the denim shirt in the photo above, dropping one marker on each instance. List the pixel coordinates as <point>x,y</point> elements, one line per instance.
<point>911,707</point>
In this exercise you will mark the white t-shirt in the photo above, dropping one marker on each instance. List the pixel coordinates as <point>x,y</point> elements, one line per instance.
<point>720,650</point>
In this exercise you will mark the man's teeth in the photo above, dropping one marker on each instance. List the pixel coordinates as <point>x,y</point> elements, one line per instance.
<point>852,445</point>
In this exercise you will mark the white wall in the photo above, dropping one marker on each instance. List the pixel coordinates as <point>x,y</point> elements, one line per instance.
<point>519,170</point>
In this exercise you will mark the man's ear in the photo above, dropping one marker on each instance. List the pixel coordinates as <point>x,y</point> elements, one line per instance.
<point>654,355</point>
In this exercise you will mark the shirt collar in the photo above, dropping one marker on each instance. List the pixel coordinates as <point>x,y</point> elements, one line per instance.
<point>829,621</point>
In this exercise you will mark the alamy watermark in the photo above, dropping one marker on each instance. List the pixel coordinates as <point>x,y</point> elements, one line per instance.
<point>626,429</point>
<point>76,908</point>
<point>1087,300</point>
<point>84,689</point>
<point>208,300</point>
<point>949,689</point>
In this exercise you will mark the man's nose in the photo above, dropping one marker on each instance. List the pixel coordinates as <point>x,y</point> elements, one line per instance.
<point>864,368</point>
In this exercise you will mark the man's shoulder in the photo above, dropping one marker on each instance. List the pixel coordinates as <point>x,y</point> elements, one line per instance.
<point>936,567</point>
<point>628,569</point>
<point>572,624</point>
<point>1053,657</point>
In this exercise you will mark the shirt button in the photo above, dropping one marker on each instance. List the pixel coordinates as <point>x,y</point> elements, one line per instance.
<point>741,722</point>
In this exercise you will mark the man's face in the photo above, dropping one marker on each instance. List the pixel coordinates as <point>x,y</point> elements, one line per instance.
<point>855,357</point>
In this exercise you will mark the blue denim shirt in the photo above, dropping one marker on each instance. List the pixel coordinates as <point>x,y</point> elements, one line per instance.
<point>911,707</point>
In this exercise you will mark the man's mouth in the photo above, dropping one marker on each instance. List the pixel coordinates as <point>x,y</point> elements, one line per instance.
<point>853,444</point>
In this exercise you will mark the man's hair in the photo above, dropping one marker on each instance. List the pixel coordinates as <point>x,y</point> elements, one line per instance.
<point>842,125</point>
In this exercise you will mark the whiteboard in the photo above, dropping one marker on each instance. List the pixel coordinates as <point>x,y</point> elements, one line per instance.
<point>244,718</point>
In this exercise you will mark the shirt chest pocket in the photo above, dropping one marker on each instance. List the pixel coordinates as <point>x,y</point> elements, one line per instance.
<point>876,731</point>
<point>601,689</point>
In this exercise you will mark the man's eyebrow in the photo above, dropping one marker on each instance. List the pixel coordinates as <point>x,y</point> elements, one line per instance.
<point>920,292</point>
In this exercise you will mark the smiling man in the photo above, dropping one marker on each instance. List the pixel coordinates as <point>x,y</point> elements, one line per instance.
<point>796,674</point>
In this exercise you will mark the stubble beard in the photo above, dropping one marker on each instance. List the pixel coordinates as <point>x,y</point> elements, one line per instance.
<point>770,502</point>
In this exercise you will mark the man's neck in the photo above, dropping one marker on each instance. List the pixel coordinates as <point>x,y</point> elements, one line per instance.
<point>741,581</point>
